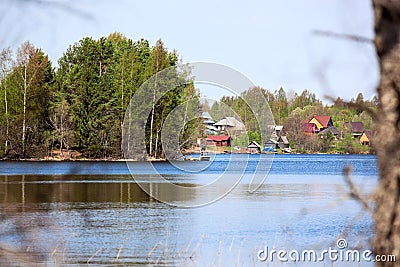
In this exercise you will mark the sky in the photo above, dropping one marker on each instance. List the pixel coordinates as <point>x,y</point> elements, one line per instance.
<point>273,43</point>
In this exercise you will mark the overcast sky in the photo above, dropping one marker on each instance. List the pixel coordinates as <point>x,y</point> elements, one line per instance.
<point>271,42</point>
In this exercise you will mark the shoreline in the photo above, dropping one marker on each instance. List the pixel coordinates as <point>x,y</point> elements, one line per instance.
<point>48,159</point>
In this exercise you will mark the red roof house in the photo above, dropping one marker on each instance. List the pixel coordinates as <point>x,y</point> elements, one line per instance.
<point>219,140</point>
<point>322,122</point>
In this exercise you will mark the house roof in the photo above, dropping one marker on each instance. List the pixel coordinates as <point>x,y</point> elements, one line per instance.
<point>231,122</point>
<point>323,120</point>
<point>253,144</point>
<point>370,134</point>
<point>206,115</point>
<point>356,127</point>
<point>208,121</point>
<point>283,139</point>
<point>271,141</point>
<point>218,138</point>
<point>331,129</point>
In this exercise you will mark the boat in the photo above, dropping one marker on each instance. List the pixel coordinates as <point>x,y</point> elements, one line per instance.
<point>204,154</point>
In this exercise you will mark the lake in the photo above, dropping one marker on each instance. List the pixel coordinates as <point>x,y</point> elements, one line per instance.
<point>96,213</point>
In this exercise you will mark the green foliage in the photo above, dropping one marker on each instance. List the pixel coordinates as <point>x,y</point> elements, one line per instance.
<point>254,136</point>
<point>241,141</point>
<point>350,145</point>
<point>26,89</point>
<point>82,105</point>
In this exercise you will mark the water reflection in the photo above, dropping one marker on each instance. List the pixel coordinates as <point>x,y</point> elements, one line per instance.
<point>108,219</point>
<point>24,189</point>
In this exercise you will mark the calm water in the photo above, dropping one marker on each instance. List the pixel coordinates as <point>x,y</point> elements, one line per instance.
<point>94,212</point>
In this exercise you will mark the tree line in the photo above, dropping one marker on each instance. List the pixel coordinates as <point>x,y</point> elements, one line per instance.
<point>80,104</point>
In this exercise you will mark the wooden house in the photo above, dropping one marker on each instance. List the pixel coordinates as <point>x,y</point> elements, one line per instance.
<point>283,142</point>
<point>254,147</point>
<point>356,128</point>
<point>322,122</point>
<point>330,130</point>
<point>270,145</point>
<point>367,137</point>
<point>277,131</point>
<point>207,119</point>
<point>219,140</point>
<point>230,125</point>
<point>208,123</point>
<point>309,128</point>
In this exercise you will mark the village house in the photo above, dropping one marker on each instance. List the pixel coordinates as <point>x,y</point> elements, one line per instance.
<point>283,142</point>
<point>309,128</point>
<point>270,145</point>
<point>277,130</point>
<point>356,128</point>
<point>207,119</point>
<point>317,124</point>
<point>208,122</point>
<point>330,130</point>
<point>254,147</point>
<point>322,122</point>
<point>367,137</point>
<point>230,125</point>
<point>219,140</point>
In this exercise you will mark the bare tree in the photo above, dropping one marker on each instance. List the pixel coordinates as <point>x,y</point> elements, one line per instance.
<point>387,211</point>
<point>31,69</point>
<point>24,53</point>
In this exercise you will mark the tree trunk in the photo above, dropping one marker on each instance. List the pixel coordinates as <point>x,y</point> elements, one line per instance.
<point>153,109</point>
<point>122,94</point>
<point>62,130</point>
<point>24,115</point>
<point>5,64</point>
<point>387,143</point>
<point>7,120</point>
<point>156,145</point>
<point>152,118</point>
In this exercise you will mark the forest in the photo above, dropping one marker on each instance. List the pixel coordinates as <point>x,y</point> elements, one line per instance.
<point>80,104</point>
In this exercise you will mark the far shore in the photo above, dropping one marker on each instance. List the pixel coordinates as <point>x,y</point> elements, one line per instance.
<point>185,153</point>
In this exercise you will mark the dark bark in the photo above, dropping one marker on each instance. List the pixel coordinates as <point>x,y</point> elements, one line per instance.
<point>387,210</point>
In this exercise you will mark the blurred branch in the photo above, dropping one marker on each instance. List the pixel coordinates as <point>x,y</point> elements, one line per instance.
<point>61,5</point>
<point>353,105</point>
<point>345,36</point>
<point>13,257</point>
<point>354,193</point>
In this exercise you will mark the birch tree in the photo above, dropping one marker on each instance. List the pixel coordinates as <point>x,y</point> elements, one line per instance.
<point>5,69</point>
<point>158,61</point>
<point>30,84</point>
